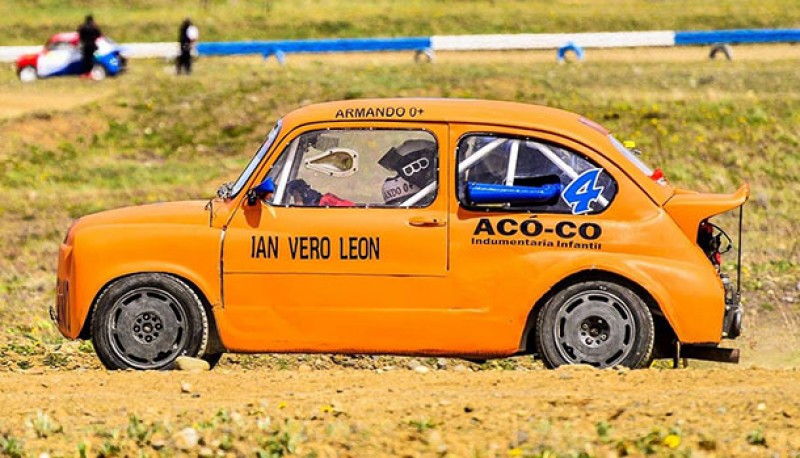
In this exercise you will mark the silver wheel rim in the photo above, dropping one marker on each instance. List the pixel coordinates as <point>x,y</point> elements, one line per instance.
<point>595,328</point>
<point>97,73</point>
<point>147,328</point>
<point>27,74</point>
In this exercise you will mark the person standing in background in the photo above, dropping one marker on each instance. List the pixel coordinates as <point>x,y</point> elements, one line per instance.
<point>88,33</point>
<point>187,37</point>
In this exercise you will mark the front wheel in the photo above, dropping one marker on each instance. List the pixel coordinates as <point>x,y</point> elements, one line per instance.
<point>146,321</point>
<point>599,323</point>
<point>28,74</point>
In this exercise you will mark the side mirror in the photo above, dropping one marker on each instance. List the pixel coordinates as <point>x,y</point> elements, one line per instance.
<point>261,191</point>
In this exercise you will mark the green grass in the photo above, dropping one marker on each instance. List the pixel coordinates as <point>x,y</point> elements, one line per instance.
<point>32,22</point>
<point>709,125</point>
<point>165,138</point>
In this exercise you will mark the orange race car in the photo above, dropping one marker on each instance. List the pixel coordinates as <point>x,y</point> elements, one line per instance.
<point>465,228</point>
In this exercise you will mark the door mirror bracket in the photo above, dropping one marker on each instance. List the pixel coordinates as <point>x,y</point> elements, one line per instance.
<point>261,192</point>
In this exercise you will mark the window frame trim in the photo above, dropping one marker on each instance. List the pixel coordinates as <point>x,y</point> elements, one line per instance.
<point>526,210</point>
<point>291,137</point>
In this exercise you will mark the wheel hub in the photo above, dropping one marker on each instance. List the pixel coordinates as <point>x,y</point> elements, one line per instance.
<point>147,327</point>
<point>594,331</point>
<point>595,328</point>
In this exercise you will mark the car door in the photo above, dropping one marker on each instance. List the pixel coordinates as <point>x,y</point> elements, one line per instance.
<point>528,203</point>
<point>59,58</point>
<point>349,253</point>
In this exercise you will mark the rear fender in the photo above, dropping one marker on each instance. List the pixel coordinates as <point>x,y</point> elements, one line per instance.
<point>694,311</point>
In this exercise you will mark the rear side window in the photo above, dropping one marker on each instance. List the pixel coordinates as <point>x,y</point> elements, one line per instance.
<point>506,173</point>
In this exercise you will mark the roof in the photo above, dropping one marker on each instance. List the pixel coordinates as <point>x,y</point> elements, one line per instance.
<point>71,37</point>
<point>480,112</point>
<point>516,114</point>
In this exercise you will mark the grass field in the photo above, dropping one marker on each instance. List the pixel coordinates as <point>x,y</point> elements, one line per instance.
<point>69,147</point>
<point>710,125</point>
<point>31,22</point>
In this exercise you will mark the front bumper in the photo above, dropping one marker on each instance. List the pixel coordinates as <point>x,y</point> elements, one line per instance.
<point>60,313</point>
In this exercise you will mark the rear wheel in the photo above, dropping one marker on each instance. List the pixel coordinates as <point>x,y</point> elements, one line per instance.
<point>28,74</point>
<point>598,323</point>
<point>98,72</point>
<point>146,321</point>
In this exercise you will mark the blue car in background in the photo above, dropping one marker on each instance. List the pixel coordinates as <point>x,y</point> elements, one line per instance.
<point>61,56</point>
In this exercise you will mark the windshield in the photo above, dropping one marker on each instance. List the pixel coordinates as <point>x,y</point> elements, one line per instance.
<point>242,180</point>
<point>631,156</point>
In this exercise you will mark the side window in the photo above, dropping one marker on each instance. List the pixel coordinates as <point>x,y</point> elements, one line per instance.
<point>497,172</point>
<point>357,168</point>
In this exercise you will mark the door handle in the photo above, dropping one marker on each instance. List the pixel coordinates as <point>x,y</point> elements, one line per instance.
<point>421,221</point>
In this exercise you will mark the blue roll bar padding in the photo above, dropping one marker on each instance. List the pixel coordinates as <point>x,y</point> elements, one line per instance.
<point>484,193</point>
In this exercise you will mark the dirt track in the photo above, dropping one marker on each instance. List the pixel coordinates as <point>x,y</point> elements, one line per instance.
<point>730,411</point>
<point>349,412</point>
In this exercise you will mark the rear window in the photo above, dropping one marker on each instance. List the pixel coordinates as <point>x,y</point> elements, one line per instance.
<point>631,156</point>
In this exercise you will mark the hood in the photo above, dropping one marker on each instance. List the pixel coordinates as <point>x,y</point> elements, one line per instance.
<point>191,212</point>
<point>689,208</point>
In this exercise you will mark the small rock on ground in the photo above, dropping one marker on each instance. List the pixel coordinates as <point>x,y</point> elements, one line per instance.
<point>185,363</point>
<point>186,439</point>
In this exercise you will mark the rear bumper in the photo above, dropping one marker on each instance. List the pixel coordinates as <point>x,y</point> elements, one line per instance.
<point>708,353</point>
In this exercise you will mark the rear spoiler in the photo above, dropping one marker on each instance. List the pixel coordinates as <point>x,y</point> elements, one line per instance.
<point>689,208</point>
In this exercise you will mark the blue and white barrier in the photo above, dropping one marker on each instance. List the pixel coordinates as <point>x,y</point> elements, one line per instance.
<point>429,45</point>
<point>710,37</point>
<point>551,41</point>
<point>10,53</point>
<point>268,48</point>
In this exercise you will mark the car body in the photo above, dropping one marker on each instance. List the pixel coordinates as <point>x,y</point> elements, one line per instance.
<point>464,228</point>
<point>61,56</point>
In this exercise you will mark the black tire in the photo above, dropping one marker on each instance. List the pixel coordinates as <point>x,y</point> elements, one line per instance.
<point>599,323</point>
<point>146,321</point>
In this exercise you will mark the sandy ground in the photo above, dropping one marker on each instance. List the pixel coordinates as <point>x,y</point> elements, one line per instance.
<point>350,412</point>
<point>720,411</point>
<point>14,102</point>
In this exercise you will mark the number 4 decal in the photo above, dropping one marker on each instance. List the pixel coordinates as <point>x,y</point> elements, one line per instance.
<point>583,191</point>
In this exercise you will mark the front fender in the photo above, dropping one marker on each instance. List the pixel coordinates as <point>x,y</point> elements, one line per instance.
<point>101,254</point>
<point>110,62</point>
